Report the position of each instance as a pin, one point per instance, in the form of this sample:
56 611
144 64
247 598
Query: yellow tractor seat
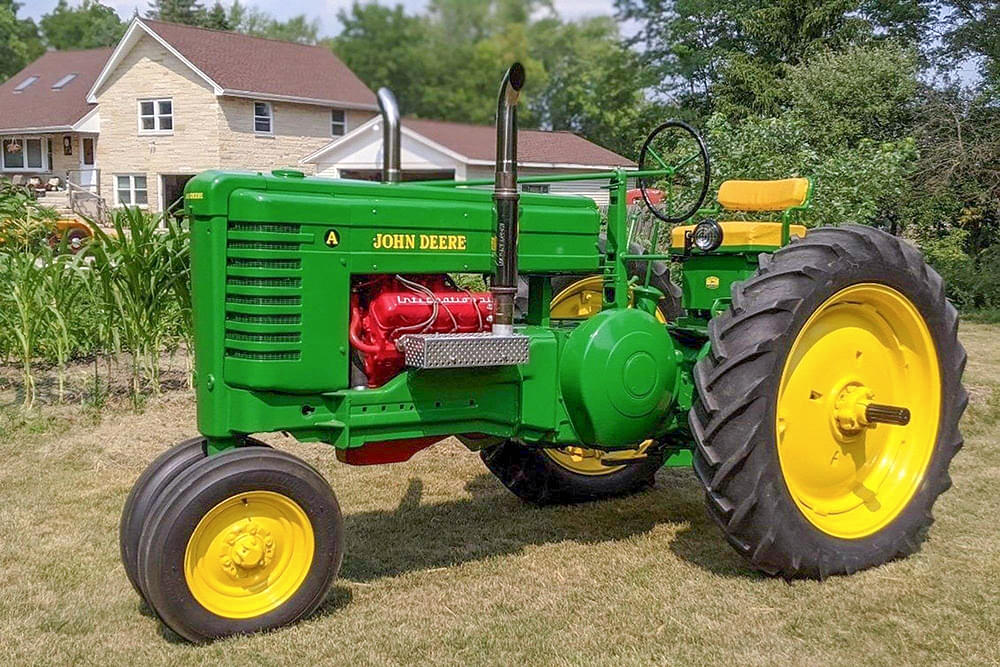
780 195
763 195
742 234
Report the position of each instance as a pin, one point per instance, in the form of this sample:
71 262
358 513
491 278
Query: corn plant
63 284
137 266
24 310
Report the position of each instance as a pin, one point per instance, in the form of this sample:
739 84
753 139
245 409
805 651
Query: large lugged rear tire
801 483
549 477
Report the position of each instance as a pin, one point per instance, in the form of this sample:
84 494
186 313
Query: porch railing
85 178
87 204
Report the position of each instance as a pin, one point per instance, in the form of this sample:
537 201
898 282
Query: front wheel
828 408
248 540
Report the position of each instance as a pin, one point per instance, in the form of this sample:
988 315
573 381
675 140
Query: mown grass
443 565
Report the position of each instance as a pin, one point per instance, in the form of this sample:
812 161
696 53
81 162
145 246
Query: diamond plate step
468 350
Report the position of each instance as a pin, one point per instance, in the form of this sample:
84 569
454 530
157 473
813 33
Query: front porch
60 168
39 159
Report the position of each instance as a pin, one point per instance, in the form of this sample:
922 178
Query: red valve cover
383 308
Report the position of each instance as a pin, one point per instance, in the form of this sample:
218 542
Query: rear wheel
579 474
580 296
248 540
828 409
572 474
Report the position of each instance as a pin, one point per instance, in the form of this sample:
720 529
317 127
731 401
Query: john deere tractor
811 377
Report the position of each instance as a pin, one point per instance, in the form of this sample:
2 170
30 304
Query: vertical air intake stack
390 135
504 284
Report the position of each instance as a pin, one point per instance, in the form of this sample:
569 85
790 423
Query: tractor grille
264 291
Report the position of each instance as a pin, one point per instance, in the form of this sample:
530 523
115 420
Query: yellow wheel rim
581 300
866 343
249 554
584 461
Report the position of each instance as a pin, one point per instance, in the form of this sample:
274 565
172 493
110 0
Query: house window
63 81
22 153
24 84
338 122
130 190
48 151
262 117
156 116
540 188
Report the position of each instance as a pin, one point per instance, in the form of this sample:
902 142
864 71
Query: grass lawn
444 565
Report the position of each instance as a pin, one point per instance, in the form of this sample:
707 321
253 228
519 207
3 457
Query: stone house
170 101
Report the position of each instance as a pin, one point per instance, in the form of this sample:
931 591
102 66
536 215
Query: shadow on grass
491 522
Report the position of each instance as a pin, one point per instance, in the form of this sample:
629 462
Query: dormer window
24 84
58 85
262 118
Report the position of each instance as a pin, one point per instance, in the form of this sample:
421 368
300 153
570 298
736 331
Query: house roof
39 107
476 144
243 66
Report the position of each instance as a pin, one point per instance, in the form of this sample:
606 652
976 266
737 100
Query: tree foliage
87 26
19 40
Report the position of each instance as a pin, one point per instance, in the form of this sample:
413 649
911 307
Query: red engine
383 308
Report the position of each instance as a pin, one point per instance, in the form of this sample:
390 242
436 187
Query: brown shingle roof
253 64
478 142
39 106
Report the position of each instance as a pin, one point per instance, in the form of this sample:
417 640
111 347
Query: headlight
707 235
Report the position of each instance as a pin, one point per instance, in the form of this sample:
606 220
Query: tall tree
216 17
20 43
253 21
88 26
188 12
594 85
972 30
737 49
385 46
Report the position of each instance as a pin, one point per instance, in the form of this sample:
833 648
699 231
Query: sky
324 10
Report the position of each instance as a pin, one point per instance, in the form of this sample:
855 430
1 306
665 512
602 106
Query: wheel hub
849 409
250 547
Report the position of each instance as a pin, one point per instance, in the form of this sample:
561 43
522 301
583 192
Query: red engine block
383 308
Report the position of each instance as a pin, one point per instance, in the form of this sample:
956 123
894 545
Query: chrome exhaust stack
505 195
390 135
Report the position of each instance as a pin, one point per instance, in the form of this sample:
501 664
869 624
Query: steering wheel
675 147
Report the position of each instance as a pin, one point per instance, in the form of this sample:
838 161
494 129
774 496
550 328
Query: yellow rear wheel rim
865 343
581 300
585 461
249 554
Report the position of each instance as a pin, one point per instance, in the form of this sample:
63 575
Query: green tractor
812 378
